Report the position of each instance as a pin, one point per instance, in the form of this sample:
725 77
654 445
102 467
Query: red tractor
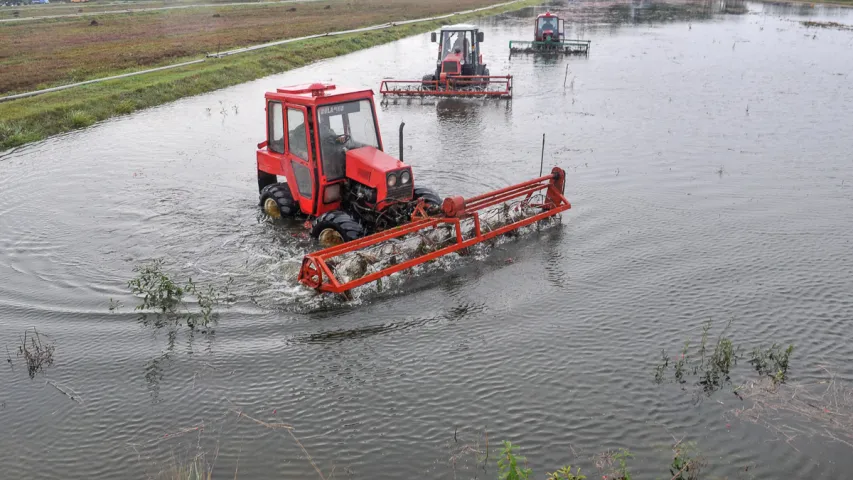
336 171
549 37
459 69
323 159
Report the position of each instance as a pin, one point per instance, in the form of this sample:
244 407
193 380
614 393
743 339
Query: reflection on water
459 111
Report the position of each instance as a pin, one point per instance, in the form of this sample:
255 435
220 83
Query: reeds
36 353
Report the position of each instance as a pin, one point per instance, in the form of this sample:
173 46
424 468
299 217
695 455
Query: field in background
37 54
30 119
95 6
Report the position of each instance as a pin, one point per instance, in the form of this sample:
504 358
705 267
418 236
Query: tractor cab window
461 42
296 133
298 145
344 126
276 127
547 23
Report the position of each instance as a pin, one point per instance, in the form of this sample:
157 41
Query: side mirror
480 36
432 37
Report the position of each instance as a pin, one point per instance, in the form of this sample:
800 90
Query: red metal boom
452 86
317 274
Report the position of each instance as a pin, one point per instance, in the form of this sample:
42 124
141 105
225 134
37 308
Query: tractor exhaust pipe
402 124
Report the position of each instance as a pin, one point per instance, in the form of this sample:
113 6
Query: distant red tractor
459 69
549 37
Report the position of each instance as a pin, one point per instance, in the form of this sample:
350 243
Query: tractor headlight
405 177
392 180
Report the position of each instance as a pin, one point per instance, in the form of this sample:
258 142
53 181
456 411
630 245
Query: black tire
348 228
265 179
280 193
431 199
428 86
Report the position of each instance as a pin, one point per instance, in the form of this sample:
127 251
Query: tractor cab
323 158
548 28
458 51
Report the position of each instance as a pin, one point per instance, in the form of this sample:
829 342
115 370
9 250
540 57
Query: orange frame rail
317 274
452 86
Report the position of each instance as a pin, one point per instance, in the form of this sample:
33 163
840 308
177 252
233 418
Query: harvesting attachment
459 70
461 224
549 37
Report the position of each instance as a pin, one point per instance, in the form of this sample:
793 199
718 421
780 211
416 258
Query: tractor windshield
463 41
547 23
344 126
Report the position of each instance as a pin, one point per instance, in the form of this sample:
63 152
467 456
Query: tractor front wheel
277 201
431 199
335 228
428 82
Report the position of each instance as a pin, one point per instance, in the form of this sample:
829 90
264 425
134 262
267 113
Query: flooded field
709 167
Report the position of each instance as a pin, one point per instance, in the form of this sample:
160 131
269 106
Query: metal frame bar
571 46
316 273
452 86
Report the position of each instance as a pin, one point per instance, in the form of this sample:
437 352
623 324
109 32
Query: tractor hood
370 166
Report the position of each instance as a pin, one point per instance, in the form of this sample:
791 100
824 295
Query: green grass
31 119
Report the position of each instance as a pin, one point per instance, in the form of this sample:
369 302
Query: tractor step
563 47
463 223
457 86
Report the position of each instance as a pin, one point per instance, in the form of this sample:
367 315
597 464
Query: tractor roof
318 93
459 26
546 15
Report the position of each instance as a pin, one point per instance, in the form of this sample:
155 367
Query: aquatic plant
195 468
836 25
36 353
613 465
508 464
660 369
772 362
160 292
565 473
686 462
114 305
712 368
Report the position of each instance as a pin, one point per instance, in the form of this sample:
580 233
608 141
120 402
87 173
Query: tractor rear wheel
335 228
277 201
431 199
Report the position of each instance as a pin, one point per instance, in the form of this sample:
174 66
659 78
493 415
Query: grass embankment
31 119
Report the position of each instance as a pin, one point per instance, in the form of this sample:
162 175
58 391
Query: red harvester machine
549 37
459 70
323 158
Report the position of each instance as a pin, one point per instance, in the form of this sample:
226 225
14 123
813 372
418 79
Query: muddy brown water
711 177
